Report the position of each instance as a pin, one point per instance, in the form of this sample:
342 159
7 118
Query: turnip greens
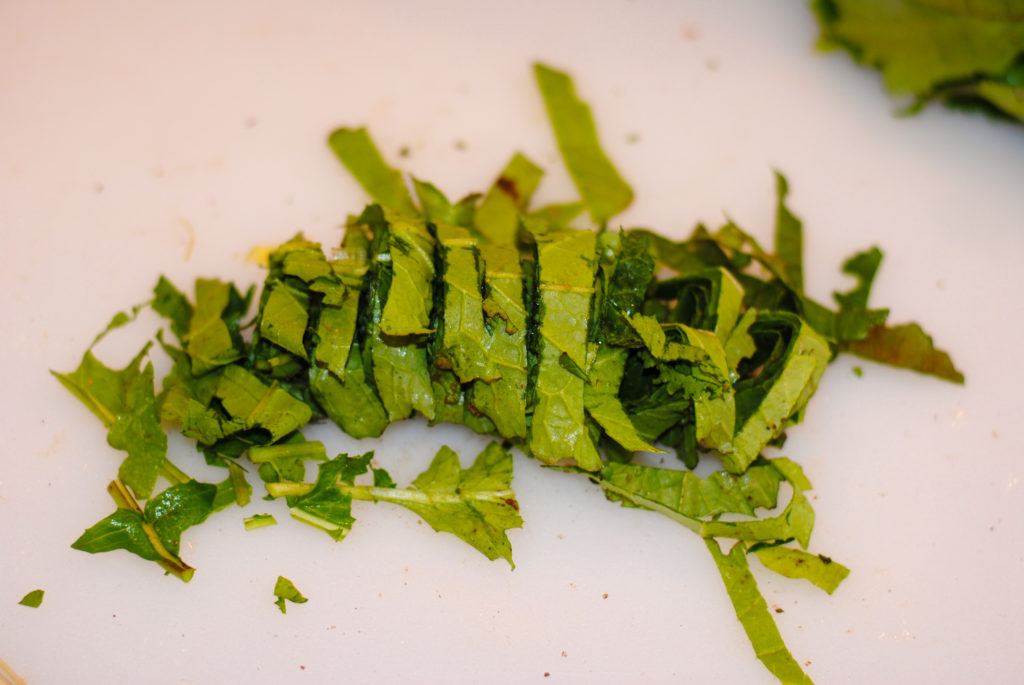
578 347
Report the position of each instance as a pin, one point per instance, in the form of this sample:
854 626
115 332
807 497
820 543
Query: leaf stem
261 454
172 473
171 563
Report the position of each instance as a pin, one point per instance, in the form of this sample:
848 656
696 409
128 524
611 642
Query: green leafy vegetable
213 339
603 190
907 346
503 399
681 493
153 533
601 400
462 341
284 590
257 405
789 237
476 504
558 432
964 54
697 503
259 521
399 366
782 388
125 402
33 599
360 156
752 611
497 216
410 296
795 563
580 347
339 382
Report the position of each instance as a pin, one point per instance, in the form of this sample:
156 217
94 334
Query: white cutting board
146 138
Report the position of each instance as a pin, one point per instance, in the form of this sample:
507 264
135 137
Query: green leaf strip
599 184
752 612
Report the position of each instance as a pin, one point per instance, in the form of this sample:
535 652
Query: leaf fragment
360 155
285 590
752 612
125 401
602 189
796 563
906 346
33 599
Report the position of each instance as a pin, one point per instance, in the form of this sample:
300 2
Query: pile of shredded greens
968 55
579 347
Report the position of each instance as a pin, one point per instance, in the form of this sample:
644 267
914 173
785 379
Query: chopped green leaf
795 563
906 346
791 363
153 533
326 506
962 53
497 217
397 365
357 152
257 405
172 304
213 338
627 269
284 589
600 186
476 504
789 237
283 318
503 400
752 612
463 338
410 296
558 433
32 599
680 493
259 521
125 401
601 400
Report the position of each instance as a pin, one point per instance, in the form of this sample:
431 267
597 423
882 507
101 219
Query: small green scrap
33 599
285 590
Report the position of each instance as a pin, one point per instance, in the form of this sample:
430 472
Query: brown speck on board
604 596
404 151
690 32
547 674
460 145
